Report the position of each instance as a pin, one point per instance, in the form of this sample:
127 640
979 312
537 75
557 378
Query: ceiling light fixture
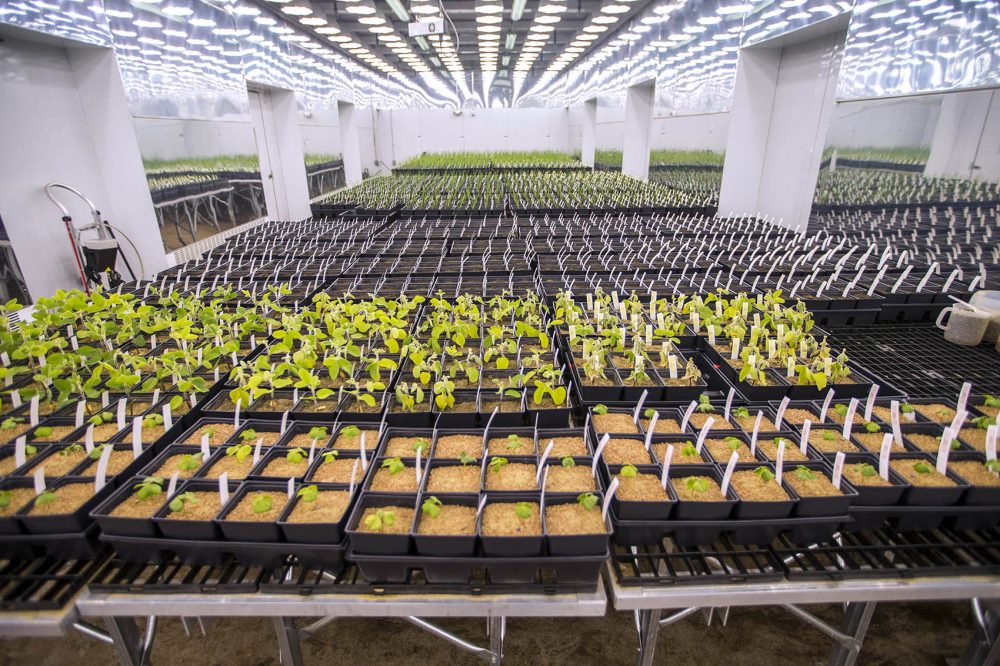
398 9
517 9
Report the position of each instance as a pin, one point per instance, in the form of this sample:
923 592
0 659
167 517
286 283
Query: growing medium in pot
697 489
386 520
443 519
183 464
621 450
393 476
193 505
758 485
12 499
635 486
685 453
349 438
313 505
62 500
501 474
863 474
259 506
237 463
565 446
978 473
580 517
407 447
453 479
334 469
920 473
143 502
294 463
810 483
722 450
218 434
614 423
512 519
828 440
568 477
769 447
456 447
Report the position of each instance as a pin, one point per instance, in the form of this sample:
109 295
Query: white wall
415 131
967 133
366 138
706 131
178 138
320 132
610 127
892 123
64 118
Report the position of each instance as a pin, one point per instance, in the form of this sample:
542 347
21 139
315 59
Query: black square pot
512 546
756 510
125 526
374 543
275 452
876 495
636 510
833 505
325 532
976 495
76 521
716 510
450 545
932 496
196 530
11 524
567 545
238 530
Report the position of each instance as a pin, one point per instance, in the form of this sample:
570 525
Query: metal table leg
289 649
648 628
984 646
496 627
126 639
856 621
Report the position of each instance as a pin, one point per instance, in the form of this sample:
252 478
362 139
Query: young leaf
308 493
261 503
431 507
567 461
524 510
628 471
587 500
804 473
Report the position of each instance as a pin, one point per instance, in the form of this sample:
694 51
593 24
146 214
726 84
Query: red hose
76 254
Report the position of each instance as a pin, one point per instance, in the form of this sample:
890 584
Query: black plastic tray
743 532
68 546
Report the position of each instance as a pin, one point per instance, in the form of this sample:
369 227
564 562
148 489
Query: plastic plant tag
883 456
168 419
312 452
256 451
838 468
121 413
486 430
5 358
20 451
88 439
136 437
608 495
826 406
39 479
236 415
354 475
638 406
172 485
600 451
80 407
779 464
728 476
703 433
545 456
651 429
205 450
224 488
943 450
804 437
284 422
956 423
33 410
672 366
852 407
729 402
780 414
416 466
756 432
897 432
734 350
545 482
790 367
482 505
105 399
687 415
364 454
963 396
102 467
991 442
15 397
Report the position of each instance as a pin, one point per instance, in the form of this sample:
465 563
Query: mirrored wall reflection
203 175
609 136
12 284
686 155
320 129
926 149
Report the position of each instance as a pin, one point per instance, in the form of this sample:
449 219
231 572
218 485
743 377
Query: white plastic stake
121 413
541 461
312 451
826 406
780 414
256 450
205 450
416 467
482 505
687 414
20 451
80 407
651 429
364 455
236 415
612 489
172 485
15 397
956 423
599 452
88 439
223 488
963 396
729 402
486 430
638 406
756 431
883 456
728 476
284 422
291 487
991 442
39 479
852 407
943 450
838 468
33 410
102 467
168 419
897 432
870 403
703 433
665 474
136 437
804 438
779 464
354 474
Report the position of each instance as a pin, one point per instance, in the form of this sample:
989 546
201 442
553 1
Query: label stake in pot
838 468
943 450
870 403
991 442
545 456
897 432
804 438
687 414
597 454
852 408
172 486
612 489
703 433
826 406
756 432
364 456
779 464
665 474
651 429
883 456
223 488
730 467
729 402
102 467
638 407
780 415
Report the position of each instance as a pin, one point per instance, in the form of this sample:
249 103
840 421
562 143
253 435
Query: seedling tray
925 517
703 532
42 583
719 562
69 546
175 576
578 569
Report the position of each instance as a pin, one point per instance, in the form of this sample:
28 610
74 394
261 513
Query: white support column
589 132
638 124
783 103
955 148
274 113
349 146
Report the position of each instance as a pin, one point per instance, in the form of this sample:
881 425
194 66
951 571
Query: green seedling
6 497
190 462
11 422
330 456
308 493
180 502
734 443
865 469
95 453
993 466
906 408
239 451
261 503
102 418
983 422
704 404
431 507
829 436
70 450
150 487
804 473
465 458
587 500
497 464
524 510
840 410
649 413
152 420
46 497
922 467
628 471
990 400
600 409
380 519
296 455
394 465
696 484
248 435
41 431
567 462
741 413
872 427
514 443
689 450
764 474
422 445
349 431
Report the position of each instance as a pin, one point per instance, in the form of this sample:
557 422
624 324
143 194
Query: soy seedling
190 462
524 510
866 469
431 507
296 455
990 400
983 422
46 497
922 467
993 466
444 396
515 443
587 500
567 461
649 413
394 465
804 473
872 427
840 409
248 435
349 431
628 471
95 453
600 409
6 497
330 456
423 445
689 449
11 422
465 458
734 443
497 464
696 484
239 451
704 404
70 450
381 518
829 436
149 487
308 493
409 396
41 431
261 503
741 413
764 474
906 408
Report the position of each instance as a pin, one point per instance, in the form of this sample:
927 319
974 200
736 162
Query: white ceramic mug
964 327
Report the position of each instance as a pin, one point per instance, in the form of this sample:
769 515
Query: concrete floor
912 634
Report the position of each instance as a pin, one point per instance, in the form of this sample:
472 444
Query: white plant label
284 422
729 403
5 358
852 407
224 488
168 419
136 437
15 398
734 350
897 431
838 469
711 332
236 415
39 480
80 407
486 430
20 451
963 396
728 476
291 487
779 464
804 438
88 439
665 474
780 414
991 442
482 503
33 410
956 423
943 450
102 467
826 406
172 485
256 451
790 367
121 414
883 456
416 466
672 366
703 433
205 451
870 403
651 429
756 432
364 456
354 475
638 407
545 456
105 399
687 415
312 451
599 452
612 489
